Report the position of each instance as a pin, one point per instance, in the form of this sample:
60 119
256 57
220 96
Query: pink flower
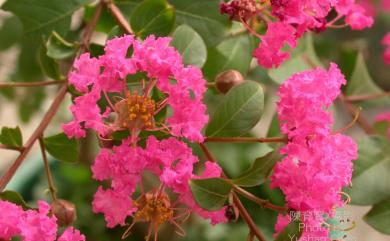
269 53
9 220
358 19
181 89
170 160
386 42
385 5
71 234
384 117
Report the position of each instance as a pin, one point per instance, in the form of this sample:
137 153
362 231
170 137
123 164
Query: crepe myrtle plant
177 94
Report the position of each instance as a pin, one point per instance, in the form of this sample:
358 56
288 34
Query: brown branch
243 212
86 39
37 133
118 15
366 97
30 84
12 148
353 111
245 139
47 169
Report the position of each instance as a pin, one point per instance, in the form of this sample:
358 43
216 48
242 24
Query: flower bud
64 211
228 79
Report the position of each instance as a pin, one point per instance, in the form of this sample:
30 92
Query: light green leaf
59 48
11 137
259 171
14 197
233 53
240 110
204 17
49 66
41 17
153 17
210 194
371 175
62 148
190 45
361 83
379 216
293 231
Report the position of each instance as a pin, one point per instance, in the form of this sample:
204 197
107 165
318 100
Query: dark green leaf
62 148
381 127
211 194
233 53
10 32
153 17
41 17
49 66
59 48
31 103
11 137
259 171
190 45
361 83
240 110
371 175
293 231
204 17
379 216
14 197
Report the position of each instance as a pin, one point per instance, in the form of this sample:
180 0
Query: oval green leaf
11 137
14 197
190 45
62 148
59 48
379 216
153 17
240 110
210 194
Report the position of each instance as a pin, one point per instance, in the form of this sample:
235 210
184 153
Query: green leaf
204 17
49 66
190 45
14 197
371 175
210 194
41 17
233 53
10 32
293 231
381 127
361 83
153 17
59 48
379 216
11 137
62 148
259 172
297 63
240 110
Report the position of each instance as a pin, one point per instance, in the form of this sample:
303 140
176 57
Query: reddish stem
30 84
118 15
245 139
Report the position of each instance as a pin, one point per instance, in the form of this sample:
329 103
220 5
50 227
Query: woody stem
47 170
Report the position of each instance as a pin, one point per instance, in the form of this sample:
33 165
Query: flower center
154 207
136 112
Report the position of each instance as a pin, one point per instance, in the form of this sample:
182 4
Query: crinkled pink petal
71 234
9 220
86 71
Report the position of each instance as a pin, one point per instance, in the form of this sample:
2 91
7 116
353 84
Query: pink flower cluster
386 42
318 163
290 19
182 86
32 225
170 160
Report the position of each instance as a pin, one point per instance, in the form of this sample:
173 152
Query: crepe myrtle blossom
171 201
288 20
386 43
138 80
32 225
317 162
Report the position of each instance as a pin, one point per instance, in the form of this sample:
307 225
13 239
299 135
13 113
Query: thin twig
367 97
243 212
37 133
118 15
47 169
30 84
12 148
261 202
353 111
245 139
90 27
